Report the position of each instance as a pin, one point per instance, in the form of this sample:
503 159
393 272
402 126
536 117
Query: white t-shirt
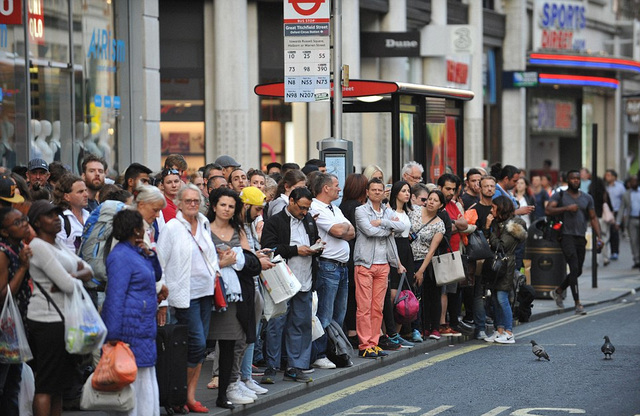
336 248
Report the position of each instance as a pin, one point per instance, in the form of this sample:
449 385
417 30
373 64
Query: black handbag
478 247
495 266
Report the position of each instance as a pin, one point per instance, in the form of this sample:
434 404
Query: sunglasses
167 172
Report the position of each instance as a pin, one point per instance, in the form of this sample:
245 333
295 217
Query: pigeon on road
607 348
539 351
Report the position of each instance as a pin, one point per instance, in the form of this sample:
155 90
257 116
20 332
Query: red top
454 214
170 211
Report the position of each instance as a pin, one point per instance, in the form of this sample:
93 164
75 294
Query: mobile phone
387 187
223 247
317 246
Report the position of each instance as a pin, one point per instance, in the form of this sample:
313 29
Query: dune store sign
389 44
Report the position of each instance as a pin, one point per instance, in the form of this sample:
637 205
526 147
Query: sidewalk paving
614 281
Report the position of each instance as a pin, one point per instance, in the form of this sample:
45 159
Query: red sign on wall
36 21
457 72
10 12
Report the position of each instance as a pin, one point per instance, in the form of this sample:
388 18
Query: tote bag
448 267
117 401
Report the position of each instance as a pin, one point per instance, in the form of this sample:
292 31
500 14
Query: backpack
339 349
526 294
97 241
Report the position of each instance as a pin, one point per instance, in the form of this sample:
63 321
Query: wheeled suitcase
171 366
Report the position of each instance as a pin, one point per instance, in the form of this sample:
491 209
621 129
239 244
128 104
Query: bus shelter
426 121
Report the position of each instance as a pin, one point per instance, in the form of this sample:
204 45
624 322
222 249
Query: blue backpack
97 241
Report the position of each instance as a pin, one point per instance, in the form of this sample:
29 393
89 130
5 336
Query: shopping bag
84 330
448 267
118 401
316 326
117 368
27 391
14 346
271 309
279 281
219 295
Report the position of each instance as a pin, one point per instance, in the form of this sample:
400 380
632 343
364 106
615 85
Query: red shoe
197 407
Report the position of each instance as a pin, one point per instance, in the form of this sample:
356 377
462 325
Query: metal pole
594 177
337 69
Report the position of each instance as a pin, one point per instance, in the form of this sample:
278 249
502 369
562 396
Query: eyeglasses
416 178
303 208
191 201
167 172
19 221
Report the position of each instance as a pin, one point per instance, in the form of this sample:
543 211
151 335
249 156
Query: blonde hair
370 170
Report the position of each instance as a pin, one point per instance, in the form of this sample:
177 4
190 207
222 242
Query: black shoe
386 344
295 374
466 324
225 404
463 329
354 341
269 376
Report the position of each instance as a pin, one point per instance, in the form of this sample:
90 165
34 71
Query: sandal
197 407
213 384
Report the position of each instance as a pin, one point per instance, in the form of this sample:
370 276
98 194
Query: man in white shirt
72 196
333 275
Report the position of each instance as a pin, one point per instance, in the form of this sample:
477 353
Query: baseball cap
37 164
41 207
252 196
8 190
226 161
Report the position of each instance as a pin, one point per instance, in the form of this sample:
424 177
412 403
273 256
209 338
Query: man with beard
94 169
483 210
576 208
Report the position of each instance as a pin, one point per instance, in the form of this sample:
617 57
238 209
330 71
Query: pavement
614 281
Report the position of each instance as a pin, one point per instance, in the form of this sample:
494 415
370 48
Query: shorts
53 366
450 288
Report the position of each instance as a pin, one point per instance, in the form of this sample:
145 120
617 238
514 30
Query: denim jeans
197 317
332 285
297 331
502 308
479 312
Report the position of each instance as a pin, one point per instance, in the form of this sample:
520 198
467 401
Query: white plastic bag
316 326
27 391
271 309
279 281
14 346
84 330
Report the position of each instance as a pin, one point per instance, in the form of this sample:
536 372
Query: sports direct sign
559 25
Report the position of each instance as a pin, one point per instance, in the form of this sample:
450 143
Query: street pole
594 177
337 69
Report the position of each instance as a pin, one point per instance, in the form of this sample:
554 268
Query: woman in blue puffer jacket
130 305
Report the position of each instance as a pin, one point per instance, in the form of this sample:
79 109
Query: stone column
144 72
473 119
352 123
514 101
231 82
434 69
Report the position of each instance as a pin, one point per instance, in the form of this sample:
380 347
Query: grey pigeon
607 348
539 351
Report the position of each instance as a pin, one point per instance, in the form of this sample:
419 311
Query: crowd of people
177 238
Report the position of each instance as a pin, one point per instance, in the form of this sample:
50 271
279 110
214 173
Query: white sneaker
234 394
246 390
255 387
505 338
323 363
493 337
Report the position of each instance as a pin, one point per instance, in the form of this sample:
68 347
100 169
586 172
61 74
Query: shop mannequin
91 139
41 141
103 142
36 129
7 145
54 141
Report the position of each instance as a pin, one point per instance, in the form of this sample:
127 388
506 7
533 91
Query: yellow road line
339 395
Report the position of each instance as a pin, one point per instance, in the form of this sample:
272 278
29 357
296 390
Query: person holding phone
292 231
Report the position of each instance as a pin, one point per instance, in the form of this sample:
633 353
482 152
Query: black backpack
526 294
339 349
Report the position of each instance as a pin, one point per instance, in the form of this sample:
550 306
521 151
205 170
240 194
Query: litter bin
548 266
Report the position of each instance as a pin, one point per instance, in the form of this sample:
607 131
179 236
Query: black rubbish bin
548 266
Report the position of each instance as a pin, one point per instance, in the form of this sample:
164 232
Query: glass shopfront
71 106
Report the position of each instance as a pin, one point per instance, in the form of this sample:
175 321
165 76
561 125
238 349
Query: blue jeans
298 331
273 341
502 310
479 312
197 317
332 287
